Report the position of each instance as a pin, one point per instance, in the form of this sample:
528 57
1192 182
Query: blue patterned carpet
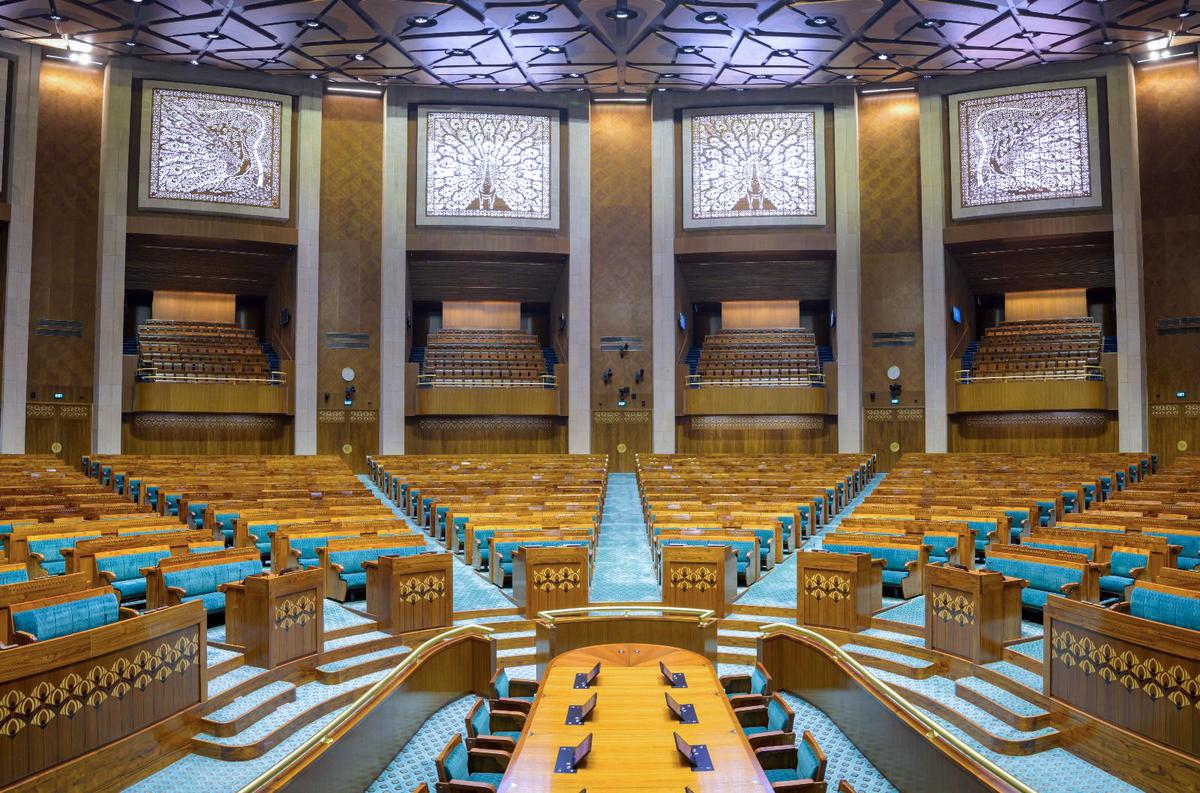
624 569
414 764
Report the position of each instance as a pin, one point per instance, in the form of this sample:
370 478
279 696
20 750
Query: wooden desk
550 577
632 746
971 613
411 593
838 590
276 618
699 576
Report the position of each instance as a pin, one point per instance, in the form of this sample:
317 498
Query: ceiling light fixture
865 91
931 24
313 24
573 75
969 60
819 22
883 56
554 49
532 17
783 53
458 52
670 76
358 56
689 49
710 18
312 77
421 21
55 17
214 35
194 62
1027 34
620 14
336 88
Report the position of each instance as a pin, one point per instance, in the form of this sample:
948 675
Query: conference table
633 747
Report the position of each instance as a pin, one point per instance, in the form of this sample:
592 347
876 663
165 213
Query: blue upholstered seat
1050 545
61 619
457 768
213 601
127 570
352 561
1166 607
1121 567
14 576
1189 553
306 546
807 766
51 546
132 588
200 583
481 721
777 719
1044 579
503 690
894 559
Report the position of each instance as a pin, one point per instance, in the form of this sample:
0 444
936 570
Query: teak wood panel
1020 395
733 434
550 577
519 401
622 435
205 434
356 429
971 613
277 618
210 398
633 748
411 593
1067 432
572 633
699 577
485 435
748 400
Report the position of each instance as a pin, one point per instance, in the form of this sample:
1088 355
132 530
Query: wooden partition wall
557 636
486 435
194 306
1041 432
779 434
495 314
205 433
737 314
1045 304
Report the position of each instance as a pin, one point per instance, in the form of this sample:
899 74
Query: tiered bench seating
484 358
769 357
175 351
53 616
1049 349
904 557
1047 573
183 579
343 559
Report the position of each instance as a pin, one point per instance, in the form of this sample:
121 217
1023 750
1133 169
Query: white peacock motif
747 165
1024 147
215 148
488 165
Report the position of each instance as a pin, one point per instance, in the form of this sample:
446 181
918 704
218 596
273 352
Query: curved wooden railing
933 732
288 771
703 616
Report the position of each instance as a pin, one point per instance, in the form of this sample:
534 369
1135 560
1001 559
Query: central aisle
624 570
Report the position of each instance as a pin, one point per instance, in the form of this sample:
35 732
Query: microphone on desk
577 714
685 713
696 755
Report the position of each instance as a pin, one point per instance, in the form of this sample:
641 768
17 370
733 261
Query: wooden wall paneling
1174 429
621 434
1045 304
500 314
1168 118
65 224
351 240
485 435
209 398
205 433
518 401
890 265
794 434
60 428
731 400
889 432
621 279
194 306
1016 395
350 434
760 314
1034 432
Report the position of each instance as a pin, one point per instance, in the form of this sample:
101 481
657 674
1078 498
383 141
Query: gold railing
812 380
1094 373
433 380
152 375
324 735
934 732
703 616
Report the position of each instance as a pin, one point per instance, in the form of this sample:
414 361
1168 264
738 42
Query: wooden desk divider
971 613
411 593
276 618
699 576
548 577
838 590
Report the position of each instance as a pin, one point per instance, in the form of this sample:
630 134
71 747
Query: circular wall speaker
893 372
347 448
894 446
622 448
56 447
1181 446
348 374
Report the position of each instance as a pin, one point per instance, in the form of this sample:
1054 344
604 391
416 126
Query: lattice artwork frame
1074 182
263 191
803 189
530 176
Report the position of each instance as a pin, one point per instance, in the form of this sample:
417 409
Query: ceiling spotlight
660 90
783 53
580 90
849 76
883 56
421 21
358 56
762 77
194 62
710 18
131 43
532 17
55 17
574 75
1107 42
312 77
213 35
501 90
930 24
689 49
670 76
479 76
1027 34
819 22
620 14
313 24
1185 13
969 60
458 52
554 49
139 2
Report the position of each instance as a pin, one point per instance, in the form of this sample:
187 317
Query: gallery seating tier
174 351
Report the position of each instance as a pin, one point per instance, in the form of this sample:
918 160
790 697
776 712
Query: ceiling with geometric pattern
607 46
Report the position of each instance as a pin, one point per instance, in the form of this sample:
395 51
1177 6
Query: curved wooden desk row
633 744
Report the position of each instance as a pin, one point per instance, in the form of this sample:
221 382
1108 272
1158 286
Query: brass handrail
812 380
1087 373
628 610
933 730
323 736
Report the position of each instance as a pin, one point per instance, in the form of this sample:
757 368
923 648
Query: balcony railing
811 380
1093 373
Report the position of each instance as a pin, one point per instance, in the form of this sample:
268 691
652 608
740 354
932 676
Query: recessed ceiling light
421 21
580 90
554 49
930 24
312 77
531 17
501 90
660 90
783 53
56 17
926 76
358 56
670 76
620 14
1185 13
213 35
883 56
969 60
458 52
131 43
739 90
710 18
1026 34
762 77
312 24
849 76
1107 42
194 62
574 75
819 21
689 49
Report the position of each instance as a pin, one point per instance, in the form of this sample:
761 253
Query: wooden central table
632 746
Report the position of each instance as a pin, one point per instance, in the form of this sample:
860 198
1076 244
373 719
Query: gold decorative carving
1164 411
951 607
417 588
548 579
820 586
1149 675
701 579
295 613
794 422
47 701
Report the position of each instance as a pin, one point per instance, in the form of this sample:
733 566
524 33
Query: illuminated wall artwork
487 167
754 167
222 151
1033 149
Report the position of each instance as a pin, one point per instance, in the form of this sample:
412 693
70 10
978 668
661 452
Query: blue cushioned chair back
352 560
1044 577
807 764
940 544
1050 545
1122 563
893 558
16 576
307 547
1152 604
758 681
502 684
52 547
61 619
202 580
129 565
776 716
456 762
1190 542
